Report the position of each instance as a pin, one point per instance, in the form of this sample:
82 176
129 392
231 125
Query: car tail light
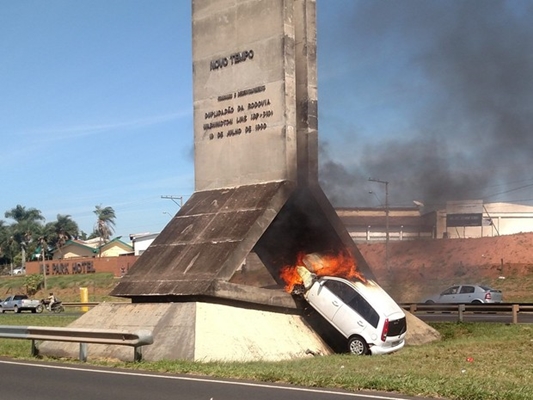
488 296
385 330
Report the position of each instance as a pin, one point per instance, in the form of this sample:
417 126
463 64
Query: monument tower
256 157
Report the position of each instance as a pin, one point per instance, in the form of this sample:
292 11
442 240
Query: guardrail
461 309
74 304
82 336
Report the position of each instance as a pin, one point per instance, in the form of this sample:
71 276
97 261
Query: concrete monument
209 286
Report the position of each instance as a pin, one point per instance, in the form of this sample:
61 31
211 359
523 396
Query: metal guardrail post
516 308
83 352
461 312
138 354
412 308
34 349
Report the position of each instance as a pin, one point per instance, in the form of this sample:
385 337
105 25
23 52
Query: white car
363 313
19 271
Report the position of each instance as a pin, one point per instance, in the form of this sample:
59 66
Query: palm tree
24 230
63 229
105 223
4 241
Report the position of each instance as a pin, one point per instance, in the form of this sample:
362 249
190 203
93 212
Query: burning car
359 309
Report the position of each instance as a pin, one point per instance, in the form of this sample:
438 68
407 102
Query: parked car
19 271
467 293
363 313
21 302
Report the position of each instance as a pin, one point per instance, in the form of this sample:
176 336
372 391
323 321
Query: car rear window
397 327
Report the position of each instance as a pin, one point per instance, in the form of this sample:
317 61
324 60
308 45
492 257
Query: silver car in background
467 293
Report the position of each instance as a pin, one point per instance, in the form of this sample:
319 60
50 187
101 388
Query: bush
33 283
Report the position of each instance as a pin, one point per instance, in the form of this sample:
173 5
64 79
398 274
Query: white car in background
363 313
19 271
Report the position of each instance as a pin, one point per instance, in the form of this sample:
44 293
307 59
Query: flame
341 265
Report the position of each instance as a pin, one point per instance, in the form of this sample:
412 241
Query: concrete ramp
197 331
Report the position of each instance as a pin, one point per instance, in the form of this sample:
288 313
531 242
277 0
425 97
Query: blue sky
96 104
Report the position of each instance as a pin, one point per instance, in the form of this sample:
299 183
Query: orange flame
341 265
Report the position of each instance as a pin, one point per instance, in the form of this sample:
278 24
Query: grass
473 361
66 287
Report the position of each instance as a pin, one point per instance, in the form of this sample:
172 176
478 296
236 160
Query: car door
7 304
323 300
466 294
348 319
450 295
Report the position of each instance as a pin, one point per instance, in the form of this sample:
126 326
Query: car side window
451 290
355 301
467 289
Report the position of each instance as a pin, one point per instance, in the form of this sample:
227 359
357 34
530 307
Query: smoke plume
434 97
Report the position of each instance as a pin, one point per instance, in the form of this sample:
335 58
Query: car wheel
358 346
430 302
16 310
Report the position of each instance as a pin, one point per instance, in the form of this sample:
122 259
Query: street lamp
386 219
376 196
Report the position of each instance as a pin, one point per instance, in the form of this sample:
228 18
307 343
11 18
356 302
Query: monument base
197 331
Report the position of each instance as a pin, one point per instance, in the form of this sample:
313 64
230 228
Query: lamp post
386 219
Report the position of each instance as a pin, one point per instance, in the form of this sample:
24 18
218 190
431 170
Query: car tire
358 346
430 302
16 310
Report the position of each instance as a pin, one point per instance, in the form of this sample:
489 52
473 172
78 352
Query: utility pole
44 267
386 219
174 198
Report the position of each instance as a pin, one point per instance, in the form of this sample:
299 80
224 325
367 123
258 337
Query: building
404 223
92 248
464 219
141 241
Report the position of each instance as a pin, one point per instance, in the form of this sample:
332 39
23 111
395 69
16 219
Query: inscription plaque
244 93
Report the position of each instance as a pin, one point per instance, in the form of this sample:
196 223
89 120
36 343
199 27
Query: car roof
374 294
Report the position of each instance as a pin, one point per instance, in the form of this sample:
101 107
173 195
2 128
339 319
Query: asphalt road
34 380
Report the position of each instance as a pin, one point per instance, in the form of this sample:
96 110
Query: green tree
25 229
33 283
5 235
61 231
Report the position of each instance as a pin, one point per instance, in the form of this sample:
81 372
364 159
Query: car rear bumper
387 347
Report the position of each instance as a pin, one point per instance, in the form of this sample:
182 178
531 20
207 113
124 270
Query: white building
141 241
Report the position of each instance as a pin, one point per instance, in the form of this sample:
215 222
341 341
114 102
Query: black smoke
435 97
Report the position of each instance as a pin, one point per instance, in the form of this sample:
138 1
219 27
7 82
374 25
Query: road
45 381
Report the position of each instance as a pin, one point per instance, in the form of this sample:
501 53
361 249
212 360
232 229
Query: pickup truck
21 302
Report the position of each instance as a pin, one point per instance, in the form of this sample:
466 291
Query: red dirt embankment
419 268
